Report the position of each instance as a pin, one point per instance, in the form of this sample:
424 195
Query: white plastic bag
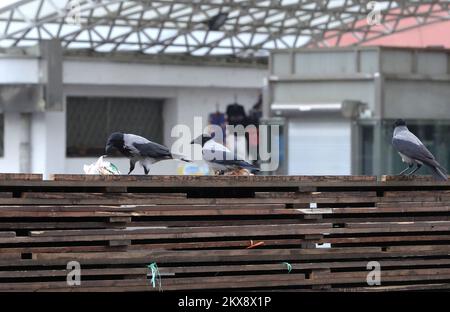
101 167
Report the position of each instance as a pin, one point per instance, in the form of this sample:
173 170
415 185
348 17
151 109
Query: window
90 120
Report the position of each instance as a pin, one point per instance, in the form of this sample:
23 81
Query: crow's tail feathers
254 170
250 167
439 173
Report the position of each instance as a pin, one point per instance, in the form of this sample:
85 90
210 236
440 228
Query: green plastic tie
289 266
156 277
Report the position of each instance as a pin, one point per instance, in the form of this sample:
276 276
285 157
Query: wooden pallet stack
214 233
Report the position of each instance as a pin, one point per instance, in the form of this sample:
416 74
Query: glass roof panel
198 26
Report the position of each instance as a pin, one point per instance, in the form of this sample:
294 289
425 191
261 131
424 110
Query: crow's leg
147 164
417 168
132 164
407 168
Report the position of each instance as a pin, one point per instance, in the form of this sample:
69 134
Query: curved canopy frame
251 27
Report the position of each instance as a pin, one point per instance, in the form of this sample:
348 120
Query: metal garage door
319 147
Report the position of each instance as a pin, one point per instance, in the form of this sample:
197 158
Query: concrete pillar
52 73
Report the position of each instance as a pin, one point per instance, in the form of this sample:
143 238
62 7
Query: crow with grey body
217 21
137 148
413 152
219 157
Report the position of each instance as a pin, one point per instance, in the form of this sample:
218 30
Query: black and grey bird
413 152
137 148
217 21
219 157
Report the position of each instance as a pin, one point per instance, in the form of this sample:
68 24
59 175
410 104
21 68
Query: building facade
339 105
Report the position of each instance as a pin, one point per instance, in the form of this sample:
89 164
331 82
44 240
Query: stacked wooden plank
152 233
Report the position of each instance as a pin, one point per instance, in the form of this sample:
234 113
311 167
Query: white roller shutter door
319 147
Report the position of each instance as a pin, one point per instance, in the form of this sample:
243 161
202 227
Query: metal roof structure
214 27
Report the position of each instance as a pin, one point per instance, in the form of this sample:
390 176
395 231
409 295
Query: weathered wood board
299 233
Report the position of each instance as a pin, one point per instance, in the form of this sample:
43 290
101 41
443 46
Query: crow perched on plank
413 152
226 160
137 148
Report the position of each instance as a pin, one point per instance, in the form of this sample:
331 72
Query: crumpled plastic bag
101 167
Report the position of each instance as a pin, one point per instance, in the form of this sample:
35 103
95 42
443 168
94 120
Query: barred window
90 121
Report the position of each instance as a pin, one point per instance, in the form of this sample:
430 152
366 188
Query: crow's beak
109 149
193 142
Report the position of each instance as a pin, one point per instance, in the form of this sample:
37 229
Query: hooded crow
227 160
217 21
137 148
413 152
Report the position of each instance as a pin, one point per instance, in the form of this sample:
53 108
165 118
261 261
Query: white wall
9 162
48 143
19 70
95 72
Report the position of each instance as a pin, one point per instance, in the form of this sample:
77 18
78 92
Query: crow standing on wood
413 152
226 160
137 148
